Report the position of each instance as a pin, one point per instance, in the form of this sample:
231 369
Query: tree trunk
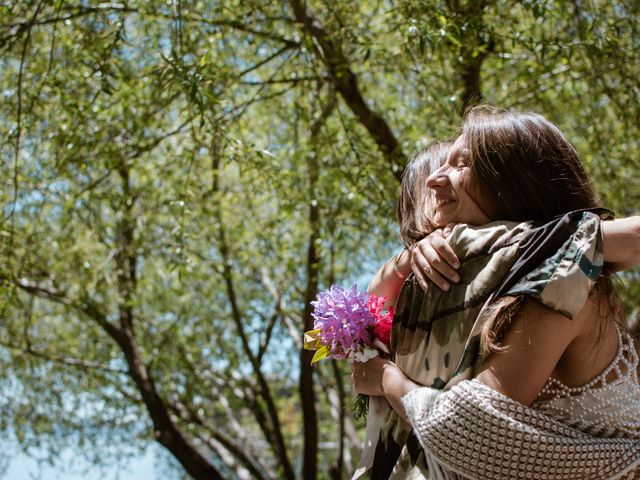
307 393
165 431
472 92
276 437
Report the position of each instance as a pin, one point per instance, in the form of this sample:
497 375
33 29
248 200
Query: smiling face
452 185
415 207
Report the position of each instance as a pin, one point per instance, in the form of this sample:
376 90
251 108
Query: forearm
396 391
622 242
387 281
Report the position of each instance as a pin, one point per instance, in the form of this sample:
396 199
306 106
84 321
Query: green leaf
320 354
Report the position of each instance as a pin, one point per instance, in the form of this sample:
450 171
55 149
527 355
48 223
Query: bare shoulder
533 346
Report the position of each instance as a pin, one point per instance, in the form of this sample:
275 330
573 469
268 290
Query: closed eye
459 162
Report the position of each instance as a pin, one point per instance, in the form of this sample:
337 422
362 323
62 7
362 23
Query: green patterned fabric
436 335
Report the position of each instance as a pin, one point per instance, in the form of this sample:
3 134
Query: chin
441 223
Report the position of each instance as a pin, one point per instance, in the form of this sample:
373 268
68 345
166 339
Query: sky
144 467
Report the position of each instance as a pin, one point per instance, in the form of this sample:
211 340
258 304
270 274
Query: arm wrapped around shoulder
622 243
474 432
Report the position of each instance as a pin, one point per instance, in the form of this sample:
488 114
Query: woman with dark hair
532 320
414 212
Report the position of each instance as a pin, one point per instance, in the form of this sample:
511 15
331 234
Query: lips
440 201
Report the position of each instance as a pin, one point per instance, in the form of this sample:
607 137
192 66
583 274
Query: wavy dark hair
414 209
524 167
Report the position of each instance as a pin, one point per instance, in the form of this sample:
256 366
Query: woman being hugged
556 387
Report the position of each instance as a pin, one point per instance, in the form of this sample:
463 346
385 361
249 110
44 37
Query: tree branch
23 56
166 431
277 311
345 82
69 361
265 61
275 81
87 306
265 392
187 414
77 11
306 387
264 344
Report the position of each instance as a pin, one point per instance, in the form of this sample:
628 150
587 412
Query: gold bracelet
396 270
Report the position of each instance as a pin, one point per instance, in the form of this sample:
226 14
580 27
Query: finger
353 378
427 272
357 367
433 275
442 268
444 250
418 273
437 253
438 279
430 263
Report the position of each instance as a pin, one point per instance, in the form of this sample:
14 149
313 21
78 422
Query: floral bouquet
349 324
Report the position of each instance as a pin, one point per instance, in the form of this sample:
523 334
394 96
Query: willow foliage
180 177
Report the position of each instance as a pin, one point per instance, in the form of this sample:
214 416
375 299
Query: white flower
364 356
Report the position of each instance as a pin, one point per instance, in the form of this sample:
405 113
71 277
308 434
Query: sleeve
559 261
474 432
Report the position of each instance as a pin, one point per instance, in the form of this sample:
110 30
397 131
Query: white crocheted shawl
473 432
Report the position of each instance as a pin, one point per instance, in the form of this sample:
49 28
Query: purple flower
344 319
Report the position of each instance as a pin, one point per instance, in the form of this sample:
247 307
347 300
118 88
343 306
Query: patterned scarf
436 335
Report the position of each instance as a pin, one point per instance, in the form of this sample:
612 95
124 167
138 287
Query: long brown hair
414 209
523 169
524 166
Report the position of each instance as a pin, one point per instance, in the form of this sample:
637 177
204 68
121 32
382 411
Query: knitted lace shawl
473 432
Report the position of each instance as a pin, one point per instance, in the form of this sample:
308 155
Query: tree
184 177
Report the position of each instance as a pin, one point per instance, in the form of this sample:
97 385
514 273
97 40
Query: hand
366 377
380 377
433 259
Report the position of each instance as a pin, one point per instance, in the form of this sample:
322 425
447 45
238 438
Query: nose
438 178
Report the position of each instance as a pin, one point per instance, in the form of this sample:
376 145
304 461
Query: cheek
471 209
468 182
469 187
490 202
474 191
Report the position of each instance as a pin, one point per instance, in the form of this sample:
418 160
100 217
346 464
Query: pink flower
376 304
382 327
349 324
